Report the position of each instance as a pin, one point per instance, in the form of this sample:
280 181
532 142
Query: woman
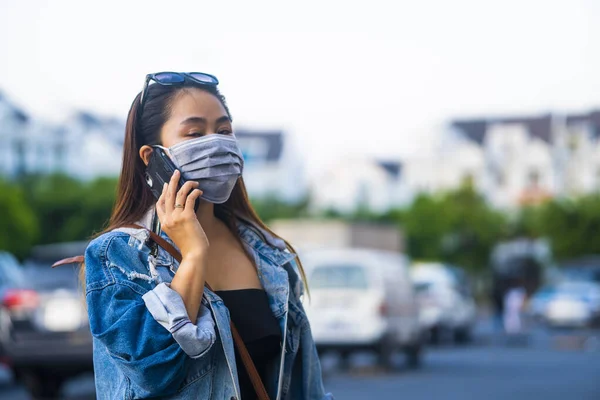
157 330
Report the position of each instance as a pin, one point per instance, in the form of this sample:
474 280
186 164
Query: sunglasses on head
174 79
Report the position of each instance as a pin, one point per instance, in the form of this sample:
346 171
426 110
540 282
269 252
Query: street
552 365
481 373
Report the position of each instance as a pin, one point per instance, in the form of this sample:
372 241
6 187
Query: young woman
158 331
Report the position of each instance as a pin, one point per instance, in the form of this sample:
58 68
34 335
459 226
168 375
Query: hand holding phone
159 171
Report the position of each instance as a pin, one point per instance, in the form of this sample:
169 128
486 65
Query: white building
511 161
85 146
528 159
271 166
355 183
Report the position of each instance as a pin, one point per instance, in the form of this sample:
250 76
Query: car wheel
344 360
41 385
385 354
413 356
435 335
462 335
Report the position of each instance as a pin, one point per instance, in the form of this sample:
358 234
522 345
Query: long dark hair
134 197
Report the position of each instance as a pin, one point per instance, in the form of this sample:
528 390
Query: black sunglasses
173 79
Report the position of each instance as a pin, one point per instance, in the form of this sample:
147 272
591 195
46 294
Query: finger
191 199
160 204
184 192
172 192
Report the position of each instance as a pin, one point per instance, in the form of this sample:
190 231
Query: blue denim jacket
146 346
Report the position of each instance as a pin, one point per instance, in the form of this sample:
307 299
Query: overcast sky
341 77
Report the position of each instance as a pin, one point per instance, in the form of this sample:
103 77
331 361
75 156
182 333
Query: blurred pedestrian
158 331
514 300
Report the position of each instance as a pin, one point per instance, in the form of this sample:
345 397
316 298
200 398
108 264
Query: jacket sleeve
306 380
144 328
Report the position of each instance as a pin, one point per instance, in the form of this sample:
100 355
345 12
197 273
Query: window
338 277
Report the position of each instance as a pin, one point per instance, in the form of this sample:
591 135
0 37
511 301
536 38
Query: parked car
362 300
45 332
571 304
11 278
585 268
445 300
536 306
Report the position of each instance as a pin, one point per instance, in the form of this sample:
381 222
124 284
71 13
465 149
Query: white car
362 300
573 304
445 301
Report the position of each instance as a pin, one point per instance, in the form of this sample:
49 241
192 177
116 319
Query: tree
68 209
572 225
18 225
270 208
457 226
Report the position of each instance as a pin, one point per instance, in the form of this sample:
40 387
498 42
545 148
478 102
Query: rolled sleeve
168 309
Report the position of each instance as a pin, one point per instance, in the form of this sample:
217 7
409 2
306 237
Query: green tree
270 208
457 226
572 225
18 225
69 209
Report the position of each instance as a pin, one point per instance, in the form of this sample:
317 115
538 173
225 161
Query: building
512 161
360 182
526 160
85 146
272 168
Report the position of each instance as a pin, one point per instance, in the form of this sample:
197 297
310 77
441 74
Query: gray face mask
214 161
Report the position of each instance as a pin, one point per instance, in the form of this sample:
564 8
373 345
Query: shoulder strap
257 383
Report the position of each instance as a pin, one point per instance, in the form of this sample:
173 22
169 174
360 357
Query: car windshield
39 275
545 291
421 287
576 288
338 276
11 273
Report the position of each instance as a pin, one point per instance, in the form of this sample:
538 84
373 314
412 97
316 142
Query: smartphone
159 171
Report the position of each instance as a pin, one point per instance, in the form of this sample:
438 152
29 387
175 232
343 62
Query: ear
145 152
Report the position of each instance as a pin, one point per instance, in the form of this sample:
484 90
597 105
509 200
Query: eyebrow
202 120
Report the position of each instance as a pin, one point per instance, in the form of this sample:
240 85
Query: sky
342 78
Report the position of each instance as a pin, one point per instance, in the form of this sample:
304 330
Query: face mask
214 161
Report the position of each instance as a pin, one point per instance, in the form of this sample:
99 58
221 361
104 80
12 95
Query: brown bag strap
259 387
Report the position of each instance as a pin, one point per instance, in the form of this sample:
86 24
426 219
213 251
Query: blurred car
11 277
445 301
362 300
44 331
585 268
571 304
536 306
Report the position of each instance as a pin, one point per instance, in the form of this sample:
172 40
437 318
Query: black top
250 312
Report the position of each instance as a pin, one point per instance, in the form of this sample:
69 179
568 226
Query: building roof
475 129
272 139
592 118
394 168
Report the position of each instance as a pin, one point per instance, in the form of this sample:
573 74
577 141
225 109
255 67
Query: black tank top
250 312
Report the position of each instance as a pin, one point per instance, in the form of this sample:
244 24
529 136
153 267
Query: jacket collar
270 247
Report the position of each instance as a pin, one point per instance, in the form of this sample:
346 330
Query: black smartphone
159 171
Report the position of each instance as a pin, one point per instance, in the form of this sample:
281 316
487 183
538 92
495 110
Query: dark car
45 331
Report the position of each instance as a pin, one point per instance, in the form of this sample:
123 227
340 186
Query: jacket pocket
199 373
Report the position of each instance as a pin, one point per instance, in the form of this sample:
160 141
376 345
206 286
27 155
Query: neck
207 219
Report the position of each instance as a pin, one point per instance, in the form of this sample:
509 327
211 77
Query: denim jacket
146 346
